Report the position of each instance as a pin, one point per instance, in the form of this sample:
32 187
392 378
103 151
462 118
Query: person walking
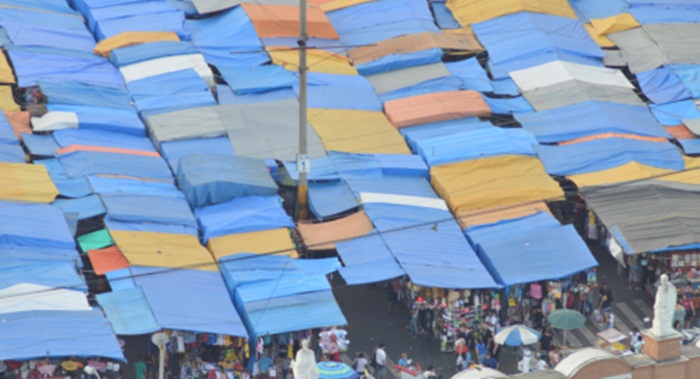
414 320
140 368
380 372
605 299
360 364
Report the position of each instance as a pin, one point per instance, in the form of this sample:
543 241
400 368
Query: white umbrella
479 372
517 335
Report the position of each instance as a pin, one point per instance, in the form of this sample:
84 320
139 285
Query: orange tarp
679 132
467 218
19 120
614 135
275 241
116 150
106 46
321 236
283 21
434 107
107 259
414 42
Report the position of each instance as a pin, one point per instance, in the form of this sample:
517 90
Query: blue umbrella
517 335
335 370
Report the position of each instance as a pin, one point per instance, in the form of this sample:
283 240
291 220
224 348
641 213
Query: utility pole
303 161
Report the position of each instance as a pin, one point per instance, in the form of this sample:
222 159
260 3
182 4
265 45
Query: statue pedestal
662 348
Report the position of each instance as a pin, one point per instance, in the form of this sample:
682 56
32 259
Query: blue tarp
246 268
516 252
441 128
69 187
124 121
444 17
106 185
394 62
330 198
446 84
35 225
208 179
228 39
246 214
191 300
245 80
475 144
171 83
170 103
7 134
501 70
100 138
22 34
128 311
136 208
53 6
346 165
399 164
361 267
341 92
472 74
393 185
690 146
46 271
11 153
377 13
590 118
40 145
140 20
173 151
49 334
587 9
690 76
507 106
33 64
674 113
76 93
124 56
662 86
83 163
603 154
84 207
384 31
661 14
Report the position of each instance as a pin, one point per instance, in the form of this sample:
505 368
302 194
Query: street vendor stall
612 340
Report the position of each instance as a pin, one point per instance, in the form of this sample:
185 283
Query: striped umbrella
335 370
517 335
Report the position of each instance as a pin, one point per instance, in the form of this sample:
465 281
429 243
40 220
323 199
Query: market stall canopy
154 249
23 297
147 209
614 24
324 235
332 5
588 119
407 77
273 241
650 216
83 163
107 259
480 373
528 250
107 45
209 6
576 91
361 166
7 76
603 154
329 91
128 311
319 60
363 268
42 334
283 21
7 100
558 72
434 107
581 358
506 180
23 267
356 131
493 215
473 11
663 85
175 150
654 45
631 171
37 226
26 183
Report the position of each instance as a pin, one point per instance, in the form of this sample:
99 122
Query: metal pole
161 362
303 163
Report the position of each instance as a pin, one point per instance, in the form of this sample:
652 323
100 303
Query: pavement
369 323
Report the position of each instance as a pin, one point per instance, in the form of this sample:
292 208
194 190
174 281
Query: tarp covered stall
650 215
662 85
332 197
148 209
590 118
324 235
245 214
175 150
439 106
519 251
340 92
598 155
356 131
163 250
496 214
363 268
107 45
164 65
407 77
38 226
558 72
210 6
473 11
23 297
82 207
84 163
283 21
208 179
24 267
26 183
128 310
42 334
100 185
495 181
631 171
273 241
107 259
575 91
318 60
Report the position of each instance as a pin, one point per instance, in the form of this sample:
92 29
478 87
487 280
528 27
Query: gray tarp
573 91
693 124
655 45
407 77
260 130
650 215
208 6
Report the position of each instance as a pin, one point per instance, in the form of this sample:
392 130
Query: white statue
664 306
304 366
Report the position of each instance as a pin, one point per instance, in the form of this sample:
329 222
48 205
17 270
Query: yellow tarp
355 131
602 41
495 214
26 183
333 5
494 182
415 42
614 24
7 100
316 60
7 76
154 249
106 46
473 11
266 241
625 173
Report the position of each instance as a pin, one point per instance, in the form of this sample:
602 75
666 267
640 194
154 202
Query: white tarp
407 77
415 201
33 297
557 72
165 65
54 121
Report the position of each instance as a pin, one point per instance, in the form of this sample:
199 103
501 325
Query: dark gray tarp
655 45
651 215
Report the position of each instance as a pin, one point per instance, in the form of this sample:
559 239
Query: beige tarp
602 41
500 181
355 131
412 43
7 76
473 11
321 236
316 60
7 99
625 173
19 120
614 24
496 214
106 46
332 5
26 183
434 107
275 241
153 249
283 21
